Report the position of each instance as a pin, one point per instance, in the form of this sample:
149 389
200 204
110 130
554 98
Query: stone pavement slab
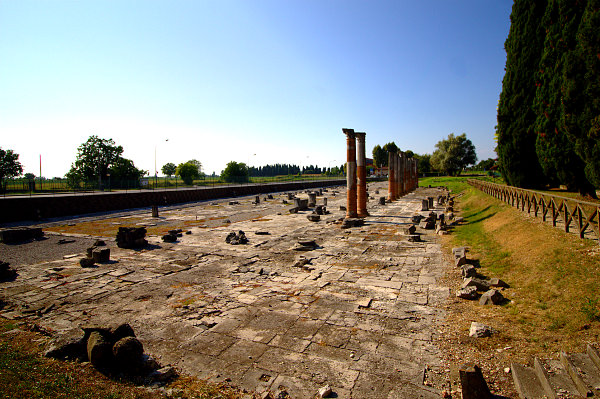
360 315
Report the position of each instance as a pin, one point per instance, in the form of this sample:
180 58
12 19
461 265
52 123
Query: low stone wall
16 209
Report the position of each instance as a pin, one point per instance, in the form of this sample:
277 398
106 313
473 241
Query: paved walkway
359 316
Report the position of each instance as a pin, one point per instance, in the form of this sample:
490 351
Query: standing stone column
361 175
416 173
350 173
391 176
398 175
401 168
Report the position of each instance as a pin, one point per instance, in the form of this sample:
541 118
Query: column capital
349 133
360 135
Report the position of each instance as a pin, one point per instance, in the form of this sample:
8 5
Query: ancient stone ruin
131 237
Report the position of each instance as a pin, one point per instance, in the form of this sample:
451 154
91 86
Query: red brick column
350 173
391 176
361 175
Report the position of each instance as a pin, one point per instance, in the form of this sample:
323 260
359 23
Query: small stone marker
325 391
381 200
467 293
410 230
313 217
481 285
493 297
424 205
496 282
479 330
154 211
468 271
98 350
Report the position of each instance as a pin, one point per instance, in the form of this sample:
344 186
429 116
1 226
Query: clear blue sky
255 81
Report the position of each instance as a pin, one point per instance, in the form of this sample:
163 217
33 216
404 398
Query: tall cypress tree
555 151
516 119
581 92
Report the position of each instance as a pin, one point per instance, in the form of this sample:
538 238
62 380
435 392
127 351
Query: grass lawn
554 276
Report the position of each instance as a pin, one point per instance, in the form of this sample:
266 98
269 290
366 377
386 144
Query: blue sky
255 81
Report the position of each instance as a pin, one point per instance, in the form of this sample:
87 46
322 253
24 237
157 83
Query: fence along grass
585 216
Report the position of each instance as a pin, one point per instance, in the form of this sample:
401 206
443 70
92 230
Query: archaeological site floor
358 312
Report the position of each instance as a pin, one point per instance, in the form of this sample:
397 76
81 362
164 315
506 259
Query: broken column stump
131 237
472 382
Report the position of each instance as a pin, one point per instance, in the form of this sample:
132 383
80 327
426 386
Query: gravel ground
46 249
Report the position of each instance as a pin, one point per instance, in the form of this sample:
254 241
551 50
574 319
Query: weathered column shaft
361 175
398 193
391 176
350 173
401 168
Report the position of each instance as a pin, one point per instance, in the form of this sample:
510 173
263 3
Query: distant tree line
548 128
286 169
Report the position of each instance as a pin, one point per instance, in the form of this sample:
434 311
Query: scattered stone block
86 262
381 200
417 219
342 208
20 234
131 237
427 225
99 350
306 245
496 282
99 243
324 392
352 222
236 238
121 331
424 205
101 255
234 203
262 233
413 238
460 260
459 251
312 200
169 237
154 211
128 353
301 204
293 210
468 270
480 284
313 217
491 297
467 293
68 346
6 272
472 383
410 230
479 330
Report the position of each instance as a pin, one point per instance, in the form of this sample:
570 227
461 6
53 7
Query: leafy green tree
96 158
486 164
29 176
424 162
169 169
516 135
235 172
379 156
453 154
188 171
409 154
9 166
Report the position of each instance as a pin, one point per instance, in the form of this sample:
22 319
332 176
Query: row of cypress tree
548 128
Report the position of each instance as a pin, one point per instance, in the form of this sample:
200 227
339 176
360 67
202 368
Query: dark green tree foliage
555 151
424 162
9 164
235 172
516 119
96 158
188 171
274 170
380 157
169 169
380 154
581 91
